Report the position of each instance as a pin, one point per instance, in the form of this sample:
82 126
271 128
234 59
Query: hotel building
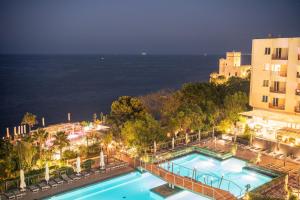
275 89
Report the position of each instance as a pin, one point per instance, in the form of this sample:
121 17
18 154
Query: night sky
131 26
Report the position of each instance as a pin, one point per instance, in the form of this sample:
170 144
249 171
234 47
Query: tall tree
26 153
29 119
234 104
124 109
40 137
141 133
61 141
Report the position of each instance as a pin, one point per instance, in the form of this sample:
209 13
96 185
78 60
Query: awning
275 116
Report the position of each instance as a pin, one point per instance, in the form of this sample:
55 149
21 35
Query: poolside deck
76 184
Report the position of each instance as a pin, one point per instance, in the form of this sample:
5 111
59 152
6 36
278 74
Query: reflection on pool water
210 171
132 186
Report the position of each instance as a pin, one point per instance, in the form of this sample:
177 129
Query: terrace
182 146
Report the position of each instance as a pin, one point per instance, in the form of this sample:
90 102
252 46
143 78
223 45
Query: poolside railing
187 182
205 178
179 142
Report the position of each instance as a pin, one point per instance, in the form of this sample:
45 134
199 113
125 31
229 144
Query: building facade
230 67
275 88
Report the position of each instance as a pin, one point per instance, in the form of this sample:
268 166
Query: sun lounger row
64 178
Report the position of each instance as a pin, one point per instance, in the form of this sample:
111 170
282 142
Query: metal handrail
195 175
215 193
180 139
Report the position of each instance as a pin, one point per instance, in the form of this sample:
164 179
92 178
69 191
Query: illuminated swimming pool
132 186
229 175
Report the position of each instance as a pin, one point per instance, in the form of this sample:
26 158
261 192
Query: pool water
132 186
210 171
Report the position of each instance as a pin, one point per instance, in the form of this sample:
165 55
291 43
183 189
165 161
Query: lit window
267 67
276 67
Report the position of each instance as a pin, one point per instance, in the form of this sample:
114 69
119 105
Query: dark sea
51 86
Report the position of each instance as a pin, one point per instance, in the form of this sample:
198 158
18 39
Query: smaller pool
228 175
132 186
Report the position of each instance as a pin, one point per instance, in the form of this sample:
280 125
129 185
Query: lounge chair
66 178
75 177
58 180
52 183
33 188
19 194
95 170
10 195
85 174
43 185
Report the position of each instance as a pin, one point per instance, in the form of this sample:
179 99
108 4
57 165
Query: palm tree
40 137
30 120
60 141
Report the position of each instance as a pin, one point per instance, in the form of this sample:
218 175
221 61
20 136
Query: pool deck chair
75 177
33 188
59 180
43 185
66 178
10 195
52 183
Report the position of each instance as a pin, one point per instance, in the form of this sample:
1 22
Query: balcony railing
297 92
297 109
280 73
279 107
282 57
276 90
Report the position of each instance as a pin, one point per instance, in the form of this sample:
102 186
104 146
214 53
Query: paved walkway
77 184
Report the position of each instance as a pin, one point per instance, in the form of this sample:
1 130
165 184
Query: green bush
69 154
88 164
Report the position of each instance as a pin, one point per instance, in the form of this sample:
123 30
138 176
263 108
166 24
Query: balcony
279 73
282 57
277 90
297 92
297 109
278 107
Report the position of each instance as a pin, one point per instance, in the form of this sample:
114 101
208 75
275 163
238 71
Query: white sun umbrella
78 168
155 148
47 177
102 164
173 143
22 180
186 138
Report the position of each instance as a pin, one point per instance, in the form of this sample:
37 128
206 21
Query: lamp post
69 117
7 133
